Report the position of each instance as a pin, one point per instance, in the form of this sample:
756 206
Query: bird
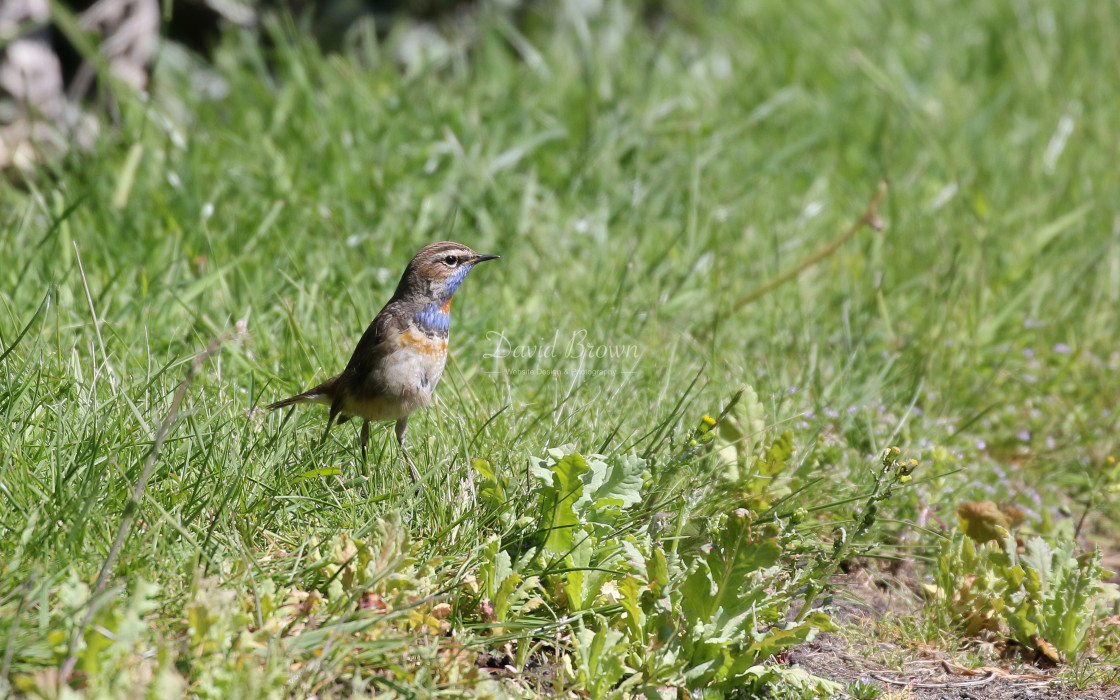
400 358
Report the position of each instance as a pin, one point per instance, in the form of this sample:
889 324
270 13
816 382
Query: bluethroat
401 356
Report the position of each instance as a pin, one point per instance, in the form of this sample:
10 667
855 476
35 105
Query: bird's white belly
401 383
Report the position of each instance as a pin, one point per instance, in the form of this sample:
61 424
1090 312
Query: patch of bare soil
1111 562
933 676
870 594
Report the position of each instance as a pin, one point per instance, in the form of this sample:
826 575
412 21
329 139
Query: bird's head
436 272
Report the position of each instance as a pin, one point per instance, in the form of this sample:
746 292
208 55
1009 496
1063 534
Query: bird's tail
324 394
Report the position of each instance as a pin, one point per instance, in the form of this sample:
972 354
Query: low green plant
729 607
505 594
1043 596
865 689
598 661
891 474
1054 594
705 612
966 585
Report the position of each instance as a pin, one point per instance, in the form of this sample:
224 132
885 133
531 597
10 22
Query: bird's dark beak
482 258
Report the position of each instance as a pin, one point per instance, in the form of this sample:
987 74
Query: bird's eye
451 260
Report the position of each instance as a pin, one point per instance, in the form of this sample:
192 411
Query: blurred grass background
639 167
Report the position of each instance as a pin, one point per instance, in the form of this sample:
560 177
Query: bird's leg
365 438
402 426
335 409
411 467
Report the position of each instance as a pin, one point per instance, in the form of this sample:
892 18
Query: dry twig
869 219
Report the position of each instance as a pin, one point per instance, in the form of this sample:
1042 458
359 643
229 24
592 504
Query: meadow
694 417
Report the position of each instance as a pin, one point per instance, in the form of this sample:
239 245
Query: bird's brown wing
378 341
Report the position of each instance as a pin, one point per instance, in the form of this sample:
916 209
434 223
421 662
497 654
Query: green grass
637 178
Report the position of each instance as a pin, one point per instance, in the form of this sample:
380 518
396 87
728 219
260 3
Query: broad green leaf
658 568
579 583
557 499
492 490
776 457
719 577
629 590
780 638
503 598
495 567
618 483
739 433
1038 559
541 467
600 655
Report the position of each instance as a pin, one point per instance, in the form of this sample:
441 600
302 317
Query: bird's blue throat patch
454 281
433 318
436 317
